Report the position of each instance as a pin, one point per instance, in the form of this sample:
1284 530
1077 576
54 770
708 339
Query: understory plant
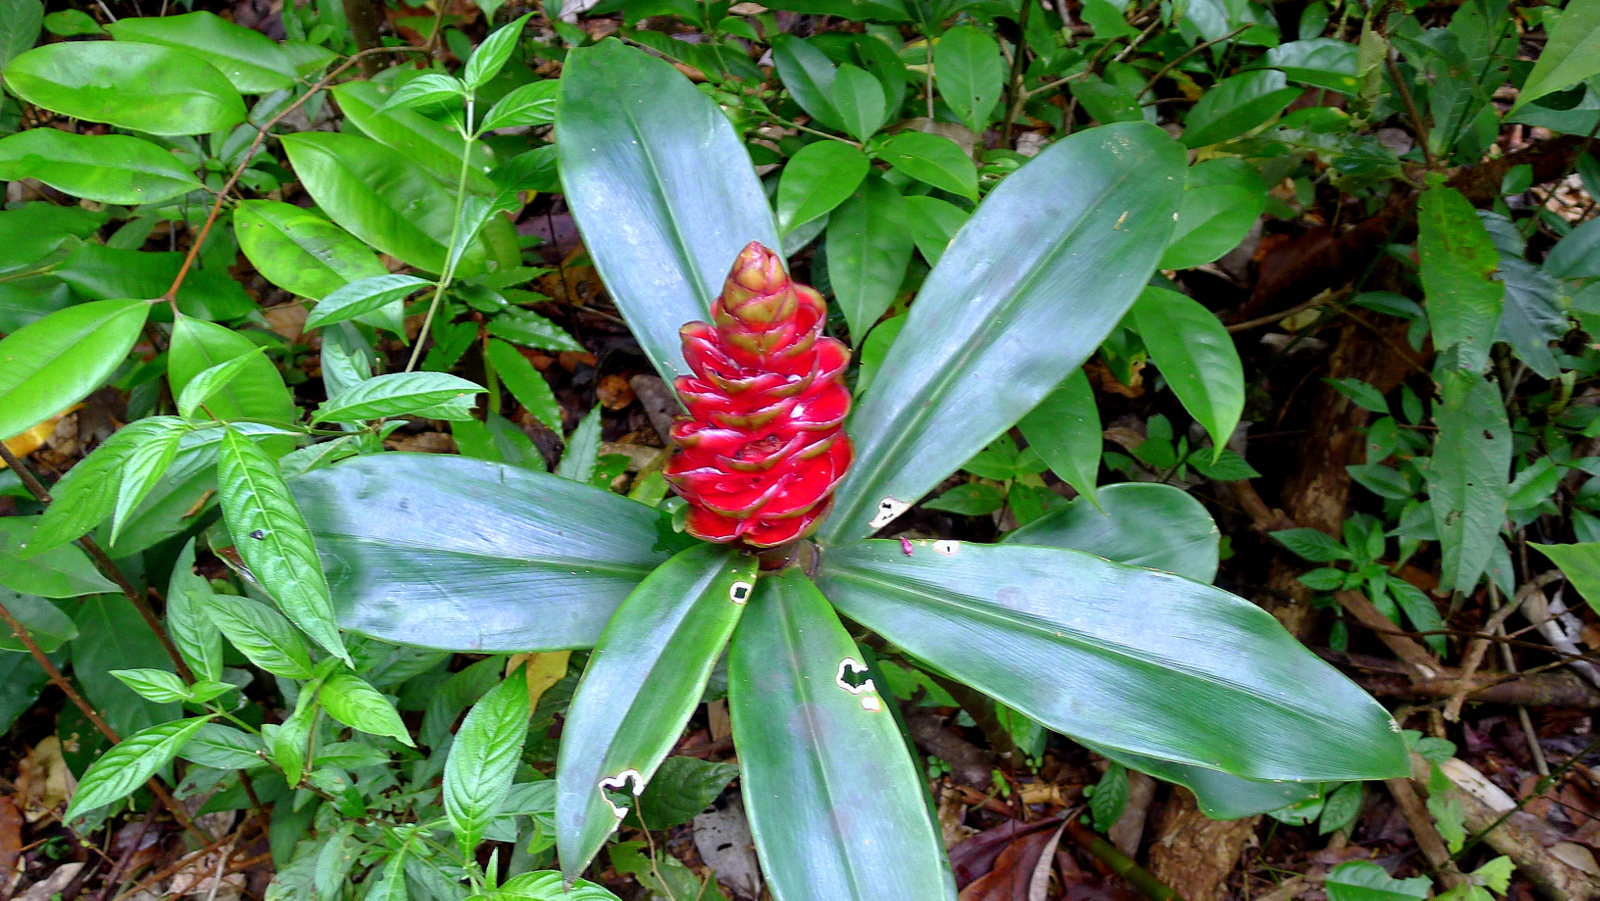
1153 669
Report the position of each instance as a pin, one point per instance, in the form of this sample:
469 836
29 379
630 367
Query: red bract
763 445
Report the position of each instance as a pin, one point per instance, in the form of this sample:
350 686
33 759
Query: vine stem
171 296
60 681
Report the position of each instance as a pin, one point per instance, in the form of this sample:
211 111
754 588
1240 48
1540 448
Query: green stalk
467 137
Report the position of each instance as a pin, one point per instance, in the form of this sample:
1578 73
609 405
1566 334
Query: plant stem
1014 94
1418 125
105 565
452 256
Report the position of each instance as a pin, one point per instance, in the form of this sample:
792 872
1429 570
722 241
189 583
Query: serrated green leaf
525 383
350 700
129 763
483 759
261 634
398 394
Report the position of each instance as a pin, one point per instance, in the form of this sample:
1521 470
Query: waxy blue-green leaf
1062 247
484 757
836 805
1064 430
1139 523
253 62
1220 796
971 74
143 87
106 168
868 249
400 393
272 538
537 562
62 572
644 680
818 178
934 159
52 363
1142 661
1469 476
1196 355
130 762
380 196
1236 105
1222 199
661 187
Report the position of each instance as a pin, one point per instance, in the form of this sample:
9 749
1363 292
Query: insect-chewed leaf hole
853 678
740 592
947 548
629 780
889 509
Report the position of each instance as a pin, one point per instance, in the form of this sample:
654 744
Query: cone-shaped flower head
763 445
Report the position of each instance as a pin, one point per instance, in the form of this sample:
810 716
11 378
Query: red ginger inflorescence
763 445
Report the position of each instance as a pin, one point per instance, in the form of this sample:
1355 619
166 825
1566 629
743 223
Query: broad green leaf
933 223
1220 796
818 178
578 458
1196 355
401 393
1580 563
155 442
435 147
530 104
300 251
430 89
1141 661
1457 262
46 624
257 392
934 159
208 382
661 187
531 330
1575 256
484 757
143 87
1062 247
1106 101
35 229
349 699
1533 316
1320 62
971 74
1568 56
224 748
272 538
363 296
380 196
253 62
54 362
21 678
486 61
154 684
109 273
1360 880
1139 523
682 788
836 805
63 572
644 680
808 75
525 383
106 168
1064 430
112 635
1469 476
1222 199
537 562
546 886
19 28
868 249
261 634
197 638
858 97
130 763
1236 105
